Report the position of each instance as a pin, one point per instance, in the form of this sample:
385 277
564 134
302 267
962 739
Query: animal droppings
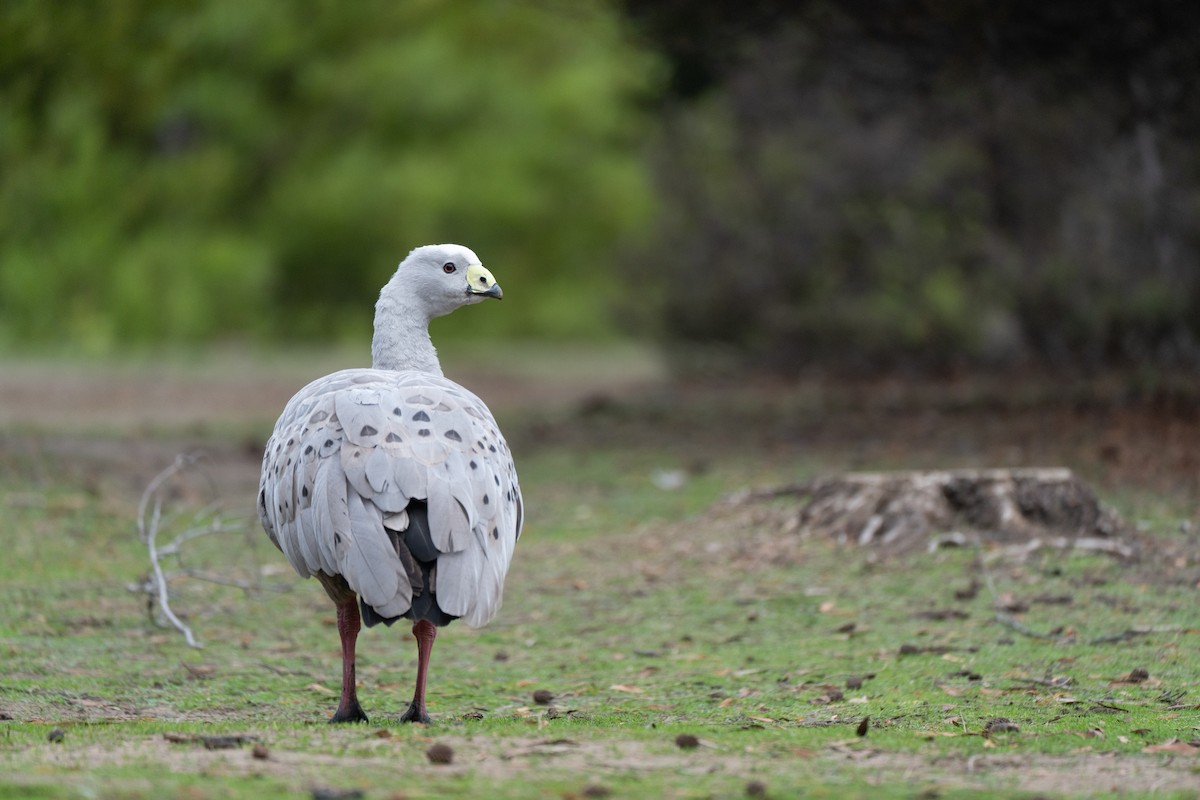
440 753
999 725
543 697
686 741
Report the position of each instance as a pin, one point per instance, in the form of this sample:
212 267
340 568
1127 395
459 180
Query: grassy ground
654 642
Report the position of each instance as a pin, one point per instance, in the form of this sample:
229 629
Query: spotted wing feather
350 452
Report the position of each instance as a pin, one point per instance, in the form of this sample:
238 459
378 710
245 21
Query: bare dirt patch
1086 773
137 428
378 753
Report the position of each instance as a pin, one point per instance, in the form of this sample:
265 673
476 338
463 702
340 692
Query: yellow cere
478 278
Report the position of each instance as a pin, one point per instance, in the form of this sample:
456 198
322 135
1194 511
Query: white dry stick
153 522
149 533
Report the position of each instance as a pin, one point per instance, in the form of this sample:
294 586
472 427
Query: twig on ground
1171 696
1009 622
1110 706
220 580
148 532
1129 633
1132 633
152 523
1114 547
1061 682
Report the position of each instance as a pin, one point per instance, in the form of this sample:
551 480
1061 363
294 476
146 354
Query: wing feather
349 453
369 562
379 471
354 463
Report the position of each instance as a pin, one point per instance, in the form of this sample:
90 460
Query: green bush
220 168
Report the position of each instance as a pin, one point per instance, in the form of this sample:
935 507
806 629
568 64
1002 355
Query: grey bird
393 485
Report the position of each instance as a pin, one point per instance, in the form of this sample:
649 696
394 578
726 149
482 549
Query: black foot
415 713
352 714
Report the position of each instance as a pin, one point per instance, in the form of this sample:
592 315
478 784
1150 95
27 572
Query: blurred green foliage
221 169
818 182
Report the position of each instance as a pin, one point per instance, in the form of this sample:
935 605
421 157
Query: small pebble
687 741
55 735
439 753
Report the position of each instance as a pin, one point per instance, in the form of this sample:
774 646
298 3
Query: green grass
646 613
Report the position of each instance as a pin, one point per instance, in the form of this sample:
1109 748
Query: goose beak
480 282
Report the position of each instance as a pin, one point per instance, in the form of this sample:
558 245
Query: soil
508 760
128 424
109 434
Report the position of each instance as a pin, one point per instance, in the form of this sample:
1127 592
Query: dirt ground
110 431
1116 435
1048 775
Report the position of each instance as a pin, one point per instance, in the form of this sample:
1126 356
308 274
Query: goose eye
448 267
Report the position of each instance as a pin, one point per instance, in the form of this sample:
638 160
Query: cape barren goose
392 485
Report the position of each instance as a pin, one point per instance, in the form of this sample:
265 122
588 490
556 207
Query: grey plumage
349 454
392 485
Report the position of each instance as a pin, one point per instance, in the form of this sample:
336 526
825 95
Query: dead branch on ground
152 523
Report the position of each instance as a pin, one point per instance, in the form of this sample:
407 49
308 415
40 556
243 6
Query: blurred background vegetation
767 185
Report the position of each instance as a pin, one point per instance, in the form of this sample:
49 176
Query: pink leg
348 623
426 632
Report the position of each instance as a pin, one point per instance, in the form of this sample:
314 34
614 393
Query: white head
431 282
438 278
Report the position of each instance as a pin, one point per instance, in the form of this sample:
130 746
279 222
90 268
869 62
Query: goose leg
425 633
348 623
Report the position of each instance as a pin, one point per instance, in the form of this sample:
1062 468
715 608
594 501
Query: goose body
393 486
